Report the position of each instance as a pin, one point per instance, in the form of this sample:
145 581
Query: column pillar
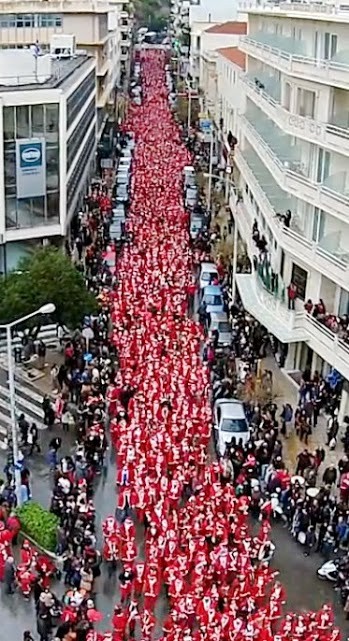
291 356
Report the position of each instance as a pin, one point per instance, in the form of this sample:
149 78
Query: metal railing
316 63
283 235
289 173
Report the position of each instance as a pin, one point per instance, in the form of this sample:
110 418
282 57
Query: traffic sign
205 125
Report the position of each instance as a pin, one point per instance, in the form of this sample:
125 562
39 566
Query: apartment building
48 118
98 27
292 127
214 39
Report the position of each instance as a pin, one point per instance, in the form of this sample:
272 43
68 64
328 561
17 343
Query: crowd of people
138 368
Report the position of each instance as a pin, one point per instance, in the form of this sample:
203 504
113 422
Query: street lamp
48 308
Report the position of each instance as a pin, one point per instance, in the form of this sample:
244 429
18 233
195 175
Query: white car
229 422
208 271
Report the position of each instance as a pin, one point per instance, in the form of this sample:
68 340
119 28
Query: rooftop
230 28
64 70
234 55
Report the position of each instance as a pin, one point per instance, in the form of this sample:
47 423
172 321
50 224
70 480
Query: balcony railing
329 135
332 71
292 326
294 182
289 239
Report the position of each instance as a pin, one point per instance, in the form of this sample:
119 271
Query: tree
47 276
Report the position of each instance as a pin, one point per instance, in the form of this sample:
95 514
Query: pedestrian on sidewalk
33 439
330 475
23 428
9 575
310 540
286 418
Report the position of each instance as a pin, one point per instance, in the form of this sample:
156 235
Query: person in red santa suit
128 552
134 617
26 554
119 622
128 530
126 583
25 579
276 601
111 553
325 619
110 527
151 587
147 624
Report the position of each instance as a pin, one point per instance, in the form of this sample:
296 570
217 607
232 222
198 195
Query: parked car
220 322
213 297
191 197
122 193
208 271
229 421
196 225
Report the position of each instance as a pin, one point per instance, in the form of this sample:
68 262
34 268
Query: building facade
47 153
291 163
102 29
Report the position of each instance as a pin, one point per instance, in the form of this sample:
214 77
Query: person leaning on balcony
308 306
292 295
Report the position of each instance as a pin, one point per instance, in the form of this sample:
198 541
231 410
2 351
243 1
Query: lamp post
187 82
49 308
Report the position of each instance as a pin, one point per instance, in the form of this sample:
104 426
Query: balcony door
323 168
330 45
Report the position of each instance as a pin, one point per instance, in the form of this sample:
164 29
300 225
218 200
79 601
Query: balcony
318 255
285 54
329 136
290 176
291 326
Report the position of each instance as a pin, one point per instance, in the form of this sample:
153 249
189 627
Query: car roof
219 317
208 267
213 289
231 408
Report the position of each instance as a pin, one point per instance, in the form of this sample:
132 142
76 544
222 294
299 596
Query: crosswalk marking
29 392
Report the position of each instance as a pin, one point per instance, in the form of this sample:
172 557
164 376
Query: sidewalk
284 389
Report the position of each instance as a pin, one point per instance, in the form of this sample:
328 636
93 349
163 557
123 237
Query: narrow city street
158 471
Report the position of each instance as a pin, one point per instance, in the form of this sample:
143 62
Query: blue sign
205 125
31 167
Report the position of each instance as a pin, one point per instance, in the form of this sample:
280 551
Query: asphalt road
297 572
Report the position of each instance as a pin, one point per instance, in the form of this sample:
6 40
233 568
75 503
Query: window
80 132
52 117
323 168
22 121
9 123
38 128
86 157
299 277
79 97
10 168
330 45
52 168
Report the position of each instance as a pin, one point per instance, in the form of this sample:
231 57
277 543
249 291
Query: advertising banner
31 167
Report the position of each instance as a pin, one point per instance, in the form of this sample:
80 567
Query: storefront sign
31 167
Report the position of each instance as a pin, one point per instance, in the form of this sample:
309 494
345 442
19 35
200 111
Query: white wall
214 10
213 41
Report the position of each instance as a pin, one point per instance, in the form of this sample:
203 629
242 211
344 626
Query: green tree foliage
152 13
47 276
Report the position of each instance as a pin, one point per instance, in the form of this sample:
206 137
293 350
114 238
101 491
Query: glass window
10 168
299 277
38 210
11 212
53 206
37 120
19 21
9 123
52 168
80 132
22 117
28 20
52 115
58 21
79 97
